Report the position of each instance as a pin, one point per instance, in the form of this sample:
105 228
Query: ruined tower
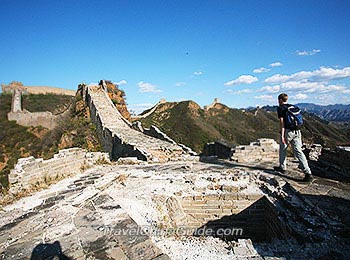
16 105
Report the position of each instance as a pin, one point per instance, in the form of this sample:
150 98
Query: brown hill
186 122
118 98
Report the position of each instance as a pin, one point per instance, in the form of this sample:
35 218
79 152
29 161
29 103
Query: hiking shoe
307 178
279 169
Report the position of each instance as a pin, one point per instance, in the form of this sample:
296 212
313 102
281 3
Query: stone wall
16 105
221 149
9 88
117 136
334 164
262 150
26 118
30 172
251 215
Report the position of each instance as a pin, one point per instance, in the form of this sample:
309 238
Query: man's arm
282 130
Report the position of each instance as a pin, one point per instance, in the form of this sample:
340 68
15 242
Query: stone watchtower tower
16 105
16 88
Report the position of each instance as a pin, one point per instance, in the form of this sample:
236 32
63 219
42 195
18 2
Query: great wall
26 118
119 139
148 197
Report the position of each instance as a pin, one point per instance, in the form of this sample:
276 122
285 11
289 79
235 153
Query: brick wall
262 150
252 213
119 139
30 172
25 118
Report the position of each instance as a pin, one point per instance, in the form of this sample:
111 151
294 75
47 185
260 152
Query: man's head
282 98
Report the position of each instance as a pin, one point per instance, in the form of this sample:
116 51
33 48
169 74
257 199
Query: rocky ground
84 216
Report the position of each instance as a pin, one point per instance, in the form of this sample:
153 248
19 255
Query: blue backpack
294 118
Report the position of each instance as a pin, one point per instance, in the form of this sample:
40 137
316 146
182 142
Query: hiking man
290 134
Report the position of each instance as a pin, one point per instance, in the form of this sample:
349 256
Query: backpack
294 118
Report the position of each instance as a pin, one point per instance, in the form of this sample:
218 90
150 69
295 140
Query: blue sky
243 52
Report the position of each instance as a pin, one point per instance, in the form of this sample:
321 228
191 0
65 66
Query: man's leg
296 144
283 155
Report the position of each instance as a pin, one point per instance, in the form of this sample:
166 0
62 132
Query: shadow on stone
48 252
258 222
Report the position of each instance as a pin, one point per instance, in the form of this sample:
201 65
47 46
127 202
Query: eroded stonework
118 137
86 215
30 173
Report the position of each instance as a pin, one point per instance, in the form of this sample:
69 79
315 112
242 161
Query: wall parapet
30 172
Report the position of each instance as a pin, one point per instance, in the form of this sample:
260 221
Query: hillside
17 141
74 130
118 98
187 123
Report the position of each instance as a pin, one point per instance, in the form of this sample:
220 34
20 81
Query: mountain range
333 113
186 122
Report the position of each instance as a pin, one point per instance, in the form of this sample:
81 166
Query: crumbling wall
221 149
334 164
35 89
119 139
251 215
26 118
30 172
262 150
10 88
152 131
111 142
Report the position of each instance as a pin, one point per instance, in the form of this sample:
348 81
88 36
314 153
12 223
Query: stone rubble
333 164
84 212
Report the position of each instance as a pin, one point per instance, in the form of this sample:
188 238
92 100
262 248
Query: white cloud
310 87
300 96
261 70
322 74
326 99
243 91
243 79
180 84
308 53
93 84
268 98
139 108
122 82
346 91
271 89
276 64
198 73
145 87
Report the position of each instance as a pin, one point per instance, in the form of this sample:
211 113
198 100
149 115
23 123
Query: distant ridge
36 89
335 113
